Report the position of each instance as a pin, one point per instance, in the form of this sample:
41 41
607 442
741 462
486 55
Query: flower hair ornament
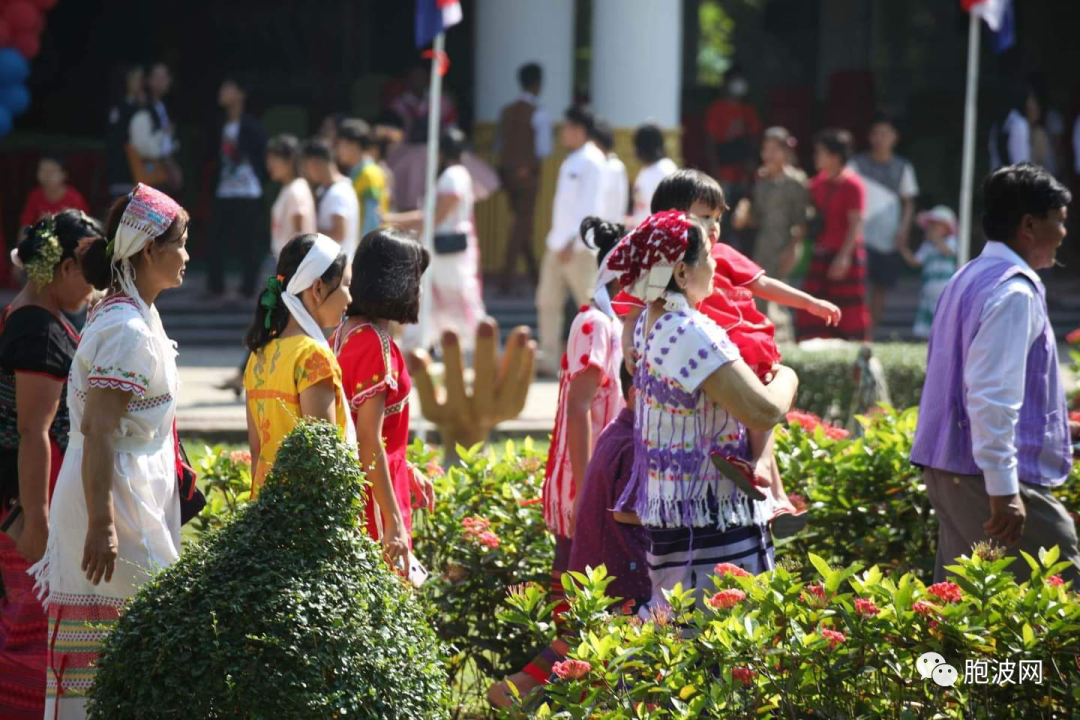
271 296
644 260
47 252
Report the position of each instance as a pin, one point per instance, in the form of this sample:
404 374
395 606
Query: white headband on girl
318 260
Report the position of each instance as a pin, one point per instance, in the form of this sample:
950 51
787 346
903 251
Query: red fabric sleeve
736 267
624 302
363 367
74 199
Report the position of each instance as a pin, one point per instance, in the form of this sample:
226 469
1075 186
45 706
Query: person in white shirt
150 130
522 143
457 303
656 165
337 207
615 190
293 212
569 266
237 227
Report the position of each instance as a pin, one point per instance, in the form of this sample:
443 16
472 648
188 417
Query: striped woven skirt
688 556
848 294
22 639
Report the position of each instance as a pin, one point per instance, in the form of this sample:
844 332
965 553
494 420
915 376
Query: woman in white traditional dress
115 513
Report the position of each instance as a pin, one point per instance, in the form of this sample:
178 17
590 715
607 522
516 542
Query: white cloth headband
318 260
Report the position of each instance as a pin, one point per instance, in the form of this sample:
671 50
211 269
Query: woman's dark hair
97 264
626 381
649 143
683 188
287 148
836 142
386 276
70 227
603 236
294 252
695 244
452 143
1015 191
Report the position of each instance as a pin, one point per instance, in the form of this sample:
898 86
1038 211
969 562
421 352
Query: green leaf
820 565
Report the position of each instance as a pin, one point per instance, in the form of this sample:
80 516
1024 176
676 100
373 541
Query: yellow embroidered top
274 378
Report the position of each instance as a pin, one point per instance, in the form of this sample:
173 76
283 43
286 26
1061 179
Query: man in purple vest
993 433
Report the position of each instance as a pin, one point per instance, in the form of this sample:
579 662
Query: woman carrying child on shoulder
737 281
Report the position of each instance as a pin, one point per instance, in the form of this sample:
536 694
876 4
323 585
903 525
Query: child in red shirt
52 195
737 281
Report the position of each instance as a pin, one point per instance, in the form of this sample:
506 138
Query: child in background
737 282
52 195
355 150
589 400
937 258
615 540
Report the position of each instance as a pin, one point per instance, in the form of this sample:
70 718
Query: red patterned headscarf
644 260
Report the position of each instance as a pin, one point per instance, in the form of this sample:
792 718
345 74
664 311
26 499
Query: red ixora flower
744 675
728 569
816 594
834 637
865 607
1073 338
489 540
571 669
806 420
946 592
475 525
1055 581
923 608
836 433
726 598
240 457
434 469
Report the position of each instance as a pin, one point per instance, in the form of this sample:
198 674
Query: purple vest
943 436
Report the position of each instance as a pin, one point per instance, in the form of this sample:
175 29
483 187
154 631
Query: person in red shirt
52 195
732 129
837 269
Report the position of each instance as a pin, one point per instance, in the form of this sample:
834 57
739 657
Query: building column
508 34
636 76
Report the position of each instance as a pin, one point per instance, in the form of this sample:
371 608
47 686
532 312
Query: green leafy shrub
826 379
287 611
487 533
842 647
867 501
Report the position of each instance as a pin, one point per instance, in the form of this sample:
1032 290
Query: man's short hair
1014 191
582 117
530 75
602 134
357 131
317 149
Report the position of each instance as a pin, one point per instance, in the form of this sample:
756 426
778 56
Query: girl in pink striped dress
590 398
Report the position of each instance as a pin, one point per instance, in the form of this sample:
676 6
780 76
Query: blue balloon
13 66
16 98
5 121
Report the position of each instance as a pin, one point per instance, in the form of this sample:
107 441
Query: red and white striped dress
594 342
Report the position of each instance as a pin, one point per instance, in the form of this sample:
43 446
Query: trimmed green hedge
826 377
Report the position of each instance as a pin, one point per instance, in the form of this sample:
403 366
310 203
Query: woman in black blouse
37 345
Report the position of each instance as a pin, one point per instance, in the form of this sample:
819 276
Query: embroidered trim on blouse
388 382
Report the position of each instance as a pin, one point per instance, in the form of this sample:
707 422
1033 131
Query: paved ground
212 414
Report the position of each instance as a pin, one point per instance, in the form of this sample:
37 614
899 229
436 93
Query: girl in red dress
385 288
737 281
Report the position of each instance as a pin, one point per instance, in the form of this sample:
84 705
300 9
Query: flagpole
967 176
428 237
